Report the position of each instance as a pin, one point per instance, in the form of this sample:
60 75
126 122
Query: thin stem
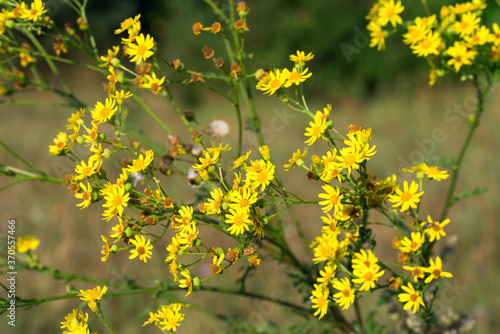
152 114
456 170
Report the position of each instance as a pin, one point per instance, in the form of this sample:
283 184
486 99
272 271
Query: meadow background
386 91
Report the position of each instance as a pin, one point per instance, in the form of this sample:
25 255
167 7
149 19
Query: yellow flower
142 248
319 300
116 199
273 81
407 198
260 174
127 24
428 45
333 198
363 259
435 270
141 163
346 295
417 272
316 128
105 249
296 160
92 296
389 12
297 77
153 83
86 195
187 282
412 298
435 229
103 112
85 170
377 35
239 219
326 275
35 13
367 276
413 245
142 50
467 25
460 55
300 58
26 243
60 143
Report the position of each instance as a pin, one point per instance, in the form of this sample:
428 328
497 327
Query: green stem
457 167
152 114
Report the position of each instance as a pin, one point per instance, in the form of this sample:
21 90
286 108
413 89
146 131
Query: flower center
262 177
141 250
141 49
406 196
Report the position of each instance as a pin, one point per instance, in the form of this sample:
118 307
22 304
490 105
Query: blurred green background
386 91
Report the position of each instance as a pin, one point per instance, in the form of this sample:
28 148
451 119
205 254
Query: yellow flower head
26 243
141 49
142 248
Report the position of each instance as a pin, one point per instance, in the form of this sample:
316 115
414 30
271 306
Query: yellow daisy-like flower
417 272
412 298
364 259
296 77
428 45
435 229
142 248
187 282
377 35
60 143
86 195
240 162
207 161
127 24
75 320
103 112
243 197
333 198
35 13
141 50
153 83
141 163
184 220
273 81
26 243
346 295
239 219
407 198
416 32
350 159
319 300
389 12
327 274
85 170
468 23
435 270
413 245
300 58
316 128
188 236
171 319
367 276
296 160
260 174
75 121
460 55
325 247
92 296
105 249
116 199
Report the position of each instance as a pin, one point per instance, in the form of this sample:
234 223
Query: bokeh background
385 91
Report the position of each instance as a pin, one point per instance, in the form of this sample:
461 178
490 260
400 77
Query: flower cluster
273 82
451 41
168 317
76 323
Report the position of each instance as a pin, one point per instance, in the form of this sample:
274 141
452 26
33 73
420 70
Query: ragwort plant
243 198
